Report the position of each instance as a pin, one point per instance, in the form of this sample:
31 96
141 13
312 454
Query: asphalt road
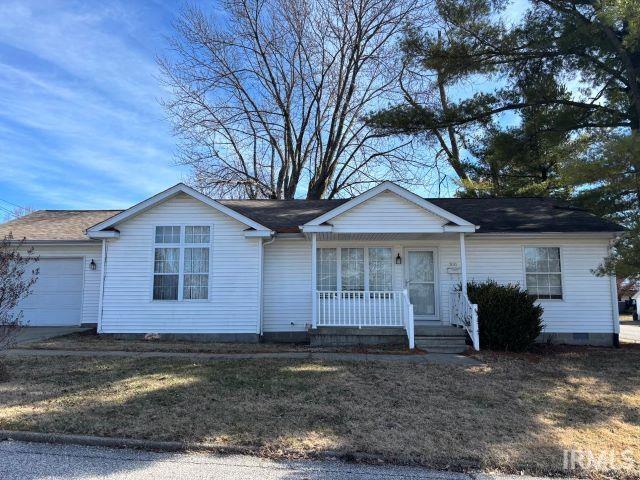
37 461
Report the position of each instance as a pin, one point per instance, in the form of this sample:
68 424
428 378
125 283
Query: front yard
516 412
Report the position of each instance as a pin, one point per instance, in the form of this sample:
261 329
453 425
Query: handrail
465 314
366 308
409 323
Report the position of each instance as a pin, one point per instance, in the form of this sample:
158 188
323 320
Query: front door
420 278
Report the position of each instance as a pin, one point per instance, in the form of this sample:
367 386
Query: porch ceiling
382 237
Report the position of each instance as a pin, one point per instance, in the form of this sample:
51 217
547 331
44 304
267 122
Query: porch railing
365 309
465 314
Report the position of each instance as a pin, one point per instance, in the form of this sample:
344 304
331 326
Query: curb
115 442
173 446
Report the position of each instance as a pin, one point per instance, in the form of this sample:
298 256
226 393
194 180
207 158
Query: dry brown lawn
515 413
93 342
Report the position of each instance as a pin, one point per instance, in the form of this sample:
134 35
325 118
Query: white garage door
57 295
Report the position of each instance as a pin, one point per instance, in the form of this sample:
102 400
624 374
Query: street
38 461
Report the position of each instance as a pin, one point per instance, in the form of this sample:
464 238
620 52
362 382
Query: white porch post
314 286
463 264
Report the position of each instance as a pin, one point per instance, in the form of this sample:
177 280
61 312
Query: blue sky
80 121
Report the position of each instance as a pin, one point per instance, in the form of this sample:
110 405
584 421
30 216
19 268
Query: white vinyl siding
287 286
586 305
232 305
387 212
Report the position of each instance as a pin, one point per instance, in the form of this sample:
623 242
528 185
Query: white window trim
181 246
366 264
562 271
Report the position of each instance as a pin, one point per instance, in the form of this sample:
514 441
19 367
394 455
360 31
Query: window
166 273
167 234
327 271
543 272
380 269
354 269
181 264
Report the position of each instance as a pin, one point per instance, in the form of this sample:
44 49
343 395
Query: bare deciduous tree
271 94
17 277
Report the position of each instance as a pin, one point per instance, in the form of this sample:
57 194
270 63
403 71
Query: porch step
438 331
442 344
440 339
343 336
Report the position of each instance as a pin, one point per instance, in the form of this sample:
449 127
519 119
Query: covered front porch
370 284
390 259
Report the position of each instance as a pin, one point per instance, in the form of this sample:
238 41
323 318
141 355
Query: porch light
93 265
398 260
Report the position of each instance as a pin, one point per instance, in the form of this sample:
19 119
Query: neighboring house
386 261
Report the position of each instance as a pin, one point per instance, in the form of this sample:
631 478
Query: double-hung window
543 272
354 269
181 263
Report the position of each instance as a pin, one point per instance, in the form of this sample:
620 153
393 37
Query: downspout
261 286
615 317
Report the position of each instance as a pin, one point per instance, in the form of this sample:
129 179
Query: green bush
508 318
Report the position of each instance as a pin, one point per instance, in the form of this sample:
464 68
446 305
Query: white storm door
420 278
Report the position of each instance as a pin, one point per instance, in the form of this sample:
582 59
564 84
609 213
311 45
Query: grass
514 413
93 342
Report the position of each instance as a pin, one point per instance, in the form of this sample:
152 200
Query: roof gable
400 192
387 212
167 194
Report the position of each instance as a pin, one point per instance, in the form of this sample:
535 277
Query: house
382 264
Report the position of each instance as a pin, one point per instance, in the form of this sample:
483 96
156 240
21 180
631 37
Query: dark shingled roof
524 215
283 216
55 224
493 215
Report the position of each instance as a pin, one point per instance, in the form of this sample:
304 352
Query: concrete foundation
350 336
592 339
192 337
285 337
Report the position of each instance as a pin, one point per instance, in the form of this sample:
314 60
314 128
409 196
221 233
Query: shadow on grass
517 412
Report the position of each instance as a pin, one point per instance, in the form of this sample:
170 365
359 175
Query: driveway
33 334
34 461
630 332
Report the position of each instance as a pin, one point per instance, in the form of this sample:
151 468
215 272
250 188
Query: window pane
352 265
543 277
196 287
380 269
327 267
167 234
167 260
196 234
165 287
196 260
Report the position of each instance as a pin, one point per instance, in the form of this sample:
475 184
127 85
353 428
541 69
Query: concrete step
436 341
441 343
439 331
445 349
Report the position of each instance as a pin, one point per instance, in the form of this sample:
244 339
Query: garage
57 295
